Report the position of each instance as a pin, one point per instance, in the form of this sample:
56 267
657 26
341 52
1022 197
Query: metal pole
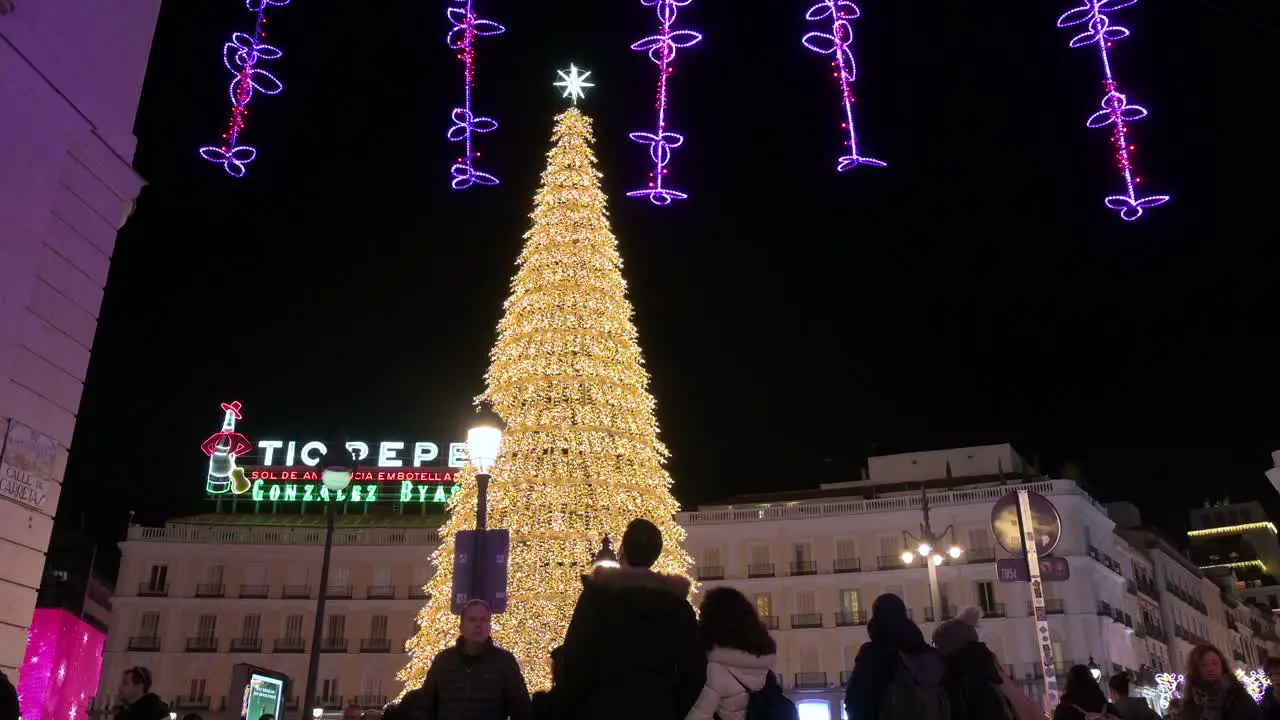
313 663
482 524
1039 616
935 594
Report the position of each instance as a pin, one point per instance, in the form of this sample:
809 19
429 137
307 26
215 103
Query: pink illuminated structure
1095 29
60 671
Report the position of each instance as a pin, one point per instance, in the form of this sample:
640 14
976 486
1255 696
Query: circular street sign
1045 521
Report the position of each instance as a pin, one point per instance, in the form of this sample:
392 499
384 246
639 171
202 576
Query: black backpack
768 703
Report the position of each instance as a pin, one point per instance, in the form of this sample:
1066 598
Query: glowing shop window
814 710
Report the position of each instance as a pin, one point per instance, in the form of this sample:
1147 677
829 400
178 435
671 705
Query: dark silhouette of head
1083 690
641 544
728 619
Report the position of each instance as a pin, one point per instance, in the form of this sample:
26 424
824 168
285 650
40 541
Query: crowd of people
635 650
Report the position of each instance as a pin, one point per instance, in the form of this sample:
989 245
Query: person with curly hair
1212 691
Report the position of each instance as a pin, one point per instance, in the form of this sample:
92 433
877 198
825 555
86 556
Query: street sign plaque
480 568
1052 569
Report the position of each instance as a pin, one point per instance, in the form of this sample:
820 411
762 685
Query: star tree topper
574 82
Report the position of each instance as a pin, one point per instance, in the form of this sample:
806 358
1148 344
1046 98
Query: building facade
202 594
813 563
70 77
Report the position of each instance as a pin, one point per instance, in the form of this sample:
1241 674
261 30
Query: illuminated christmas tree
580 456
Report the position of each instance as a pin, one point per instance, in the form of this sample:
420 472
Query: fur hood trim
621 578
735 658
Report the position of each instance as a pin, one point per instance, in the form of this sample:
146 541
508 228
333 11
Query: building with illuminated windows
813 562
1239 537
239 585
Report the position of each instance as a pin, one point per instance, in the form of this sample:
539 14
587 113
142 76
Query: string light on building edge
241 56
662 51
466 28
1116 110
839 45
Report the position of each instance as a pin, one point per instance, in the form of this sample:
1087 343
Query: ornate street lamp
605 557
484 439
335 474
928 548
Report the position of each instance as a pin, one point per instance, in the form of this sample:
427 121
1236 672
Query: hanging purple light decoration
662 51
1116 110
466 28
241 56
838 44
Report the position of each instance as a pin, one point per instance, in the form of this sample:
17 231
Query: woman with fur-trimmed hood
632 651
740 655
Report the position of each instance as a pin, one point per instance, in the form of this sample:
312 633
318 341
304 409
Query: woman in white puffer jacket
740 655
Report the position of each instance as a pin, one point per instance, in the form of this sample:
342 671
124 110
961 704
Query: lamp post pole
338 463
929 544
484 439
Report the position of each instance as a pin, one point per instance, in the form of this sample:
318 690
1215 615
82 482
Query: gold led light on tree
580 456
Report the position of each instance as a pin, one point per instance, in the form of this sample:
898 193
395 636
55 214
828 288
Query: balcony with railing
994 610
889 562
380 592
296 592
189 702
333 645
370 701
340 592
846 565
331 702
247 645
202 644
848 618
144 643
810 680
770 621
375 645
148 589
805 621
211 590
275 535
417 592
1052 606
710 572
980 555
804 567
906 502
256 592
760 570
290 645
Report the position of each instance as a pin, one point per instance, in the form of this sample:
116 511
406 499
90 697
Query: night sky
794 320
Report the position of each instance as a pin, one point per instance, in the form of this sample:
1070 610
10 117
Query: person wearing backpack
1082 699
896 675
740 657
973 677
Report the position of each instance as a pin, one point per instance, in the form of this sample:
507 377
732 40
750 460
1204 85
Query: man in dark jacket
633 650
1131 708
137 700
474 679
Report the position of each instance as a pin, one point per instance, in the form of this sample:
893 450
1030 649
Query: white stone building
202 594
814 562
70 76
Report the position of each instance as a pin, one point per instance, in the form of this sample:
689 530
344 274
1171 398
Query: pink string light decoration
466 28
241 56
839 45
1116 110
662 51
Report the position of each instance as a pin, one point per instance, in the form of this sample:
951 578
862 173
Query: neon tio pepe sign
389 471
